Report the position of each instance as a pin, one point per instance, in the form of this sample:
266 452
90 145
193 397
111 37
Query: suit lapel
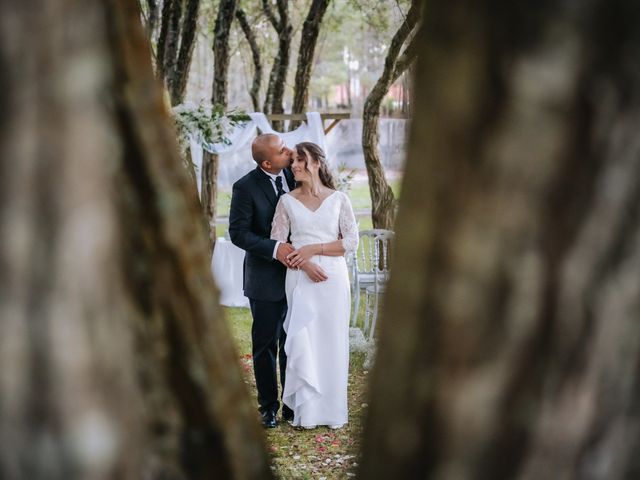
265 184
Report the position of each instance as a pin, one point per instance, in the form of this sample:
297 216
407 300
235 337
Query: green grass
221 229
360 196
321 452
223 202
239 320
364 222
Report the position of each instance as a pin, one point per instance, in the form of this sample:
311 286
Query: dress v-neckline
319 206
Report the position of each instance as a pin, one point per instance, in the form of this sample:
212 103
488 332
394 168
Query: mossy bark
510 342
117 362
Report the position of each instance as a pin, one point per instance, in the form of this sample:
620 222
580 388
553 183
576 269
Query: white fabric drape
235 157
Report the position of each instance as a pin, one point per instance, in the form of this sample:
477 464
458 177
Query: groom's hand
301 256
314 272
284 249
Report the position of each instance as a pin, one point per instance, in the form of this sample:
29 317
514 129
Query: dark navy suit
253 204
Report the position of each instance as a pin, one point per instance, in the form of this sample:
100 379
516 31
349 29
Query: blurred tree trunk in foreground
116 361
510 343
383 202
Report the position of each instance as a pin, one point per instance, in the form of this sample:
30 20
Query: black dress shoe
269 419
287 414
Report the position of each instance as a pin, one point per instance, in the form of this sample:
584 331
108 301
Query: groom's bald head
264 146
270 153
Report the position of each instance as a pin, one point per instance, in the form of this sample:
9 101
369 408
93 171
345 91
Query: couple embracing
295 228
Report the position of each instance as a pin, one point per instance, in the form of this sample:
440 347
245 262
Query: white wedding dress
317 322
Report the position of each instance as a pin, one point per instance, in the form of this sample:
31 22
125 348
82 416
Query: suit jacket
253 203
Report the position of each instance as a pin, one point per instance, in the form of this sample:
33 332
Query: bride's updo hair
309 149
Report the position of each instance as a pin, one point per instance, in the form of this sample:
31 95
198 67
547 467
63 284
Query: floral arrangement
343 177
208 123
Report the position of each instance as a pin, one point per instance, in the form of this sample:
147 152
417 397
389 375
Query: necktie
279 186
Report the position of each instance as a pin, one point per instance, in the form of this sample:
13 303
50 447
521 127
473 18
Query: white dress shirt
285 187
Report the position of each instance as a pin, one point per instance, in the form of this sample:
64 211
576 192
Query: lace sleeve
280 224
348 226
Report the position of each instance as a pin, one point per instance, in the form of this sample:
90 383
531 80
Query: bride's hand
314 272
299 257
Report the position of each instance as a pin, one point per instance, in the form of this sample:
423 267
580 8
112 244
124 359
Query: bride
320 223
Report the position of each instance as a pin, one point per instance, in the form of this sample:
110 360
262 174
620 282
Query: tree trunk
151 18
349 78
167 9
208 195
176 41
383 202
268 96
310 31
255 55
116 360
221 32
406 89
177 79
278 76
510 345
170 58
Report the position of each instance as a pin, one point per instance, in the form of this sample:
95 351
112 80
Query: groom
253 204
